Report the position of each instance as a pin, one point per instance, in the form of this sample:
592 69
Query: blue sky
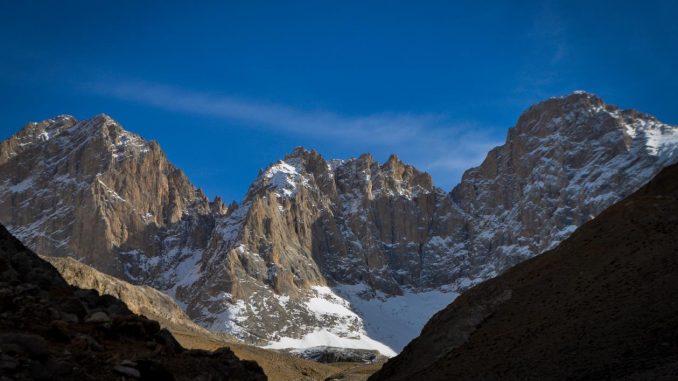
229 87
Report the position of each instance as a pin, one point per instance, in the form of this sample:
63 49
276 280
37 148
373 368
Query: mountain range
347 253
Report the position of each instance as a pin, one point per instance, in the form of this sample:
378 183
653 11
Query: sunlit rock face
342 253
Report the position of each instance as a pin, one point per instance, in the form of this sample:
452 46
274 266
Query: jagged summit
561 113
32 134
576 93
575 114
393 158
572 97
303 168
64 135
300 151
89 187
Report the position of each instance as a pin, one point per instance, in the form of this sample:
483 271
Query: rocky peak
579 115
404 179
90 186
299 169
584 117
283 178
33 134
301 152
363 176
218 207
368 177
577 101
565 161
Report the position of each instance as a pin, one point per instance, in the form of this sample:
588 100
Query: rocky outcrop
141 300
598 306
279 268
52 331
339 355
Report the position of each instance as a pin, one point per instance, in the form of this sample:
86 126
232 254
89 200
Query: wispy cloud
550 49
433 142
385 128
551 30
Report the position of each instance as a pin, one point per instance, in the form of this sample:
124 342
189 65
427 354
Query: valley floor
280 366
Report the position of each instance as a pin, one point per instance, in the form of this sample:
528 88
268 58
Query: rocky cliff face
141 300
598 306
565 161
94 191
324 252
305 224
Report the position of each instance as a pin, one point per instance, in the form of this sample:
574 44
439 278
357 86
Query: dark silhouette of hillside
52 331
602 305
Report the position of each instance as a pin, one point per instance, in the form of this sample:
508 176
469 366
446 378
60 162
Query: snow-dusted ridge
284 177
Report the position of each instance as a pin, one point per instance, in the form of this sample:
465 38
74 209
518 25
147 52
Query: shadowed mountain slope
141 300
146 301
52 331
602 305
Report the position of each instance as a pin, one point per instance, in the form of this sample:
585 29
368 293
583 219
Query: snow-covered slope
351 253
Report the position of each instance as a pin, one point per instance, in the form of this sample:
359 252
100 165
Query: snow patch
323 337
22 186
126 144
43 136
285 177
113 194
661 141
327 302
395 320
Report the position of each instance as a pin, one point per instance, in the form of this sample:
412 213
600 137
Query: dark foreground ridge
52 331
602 305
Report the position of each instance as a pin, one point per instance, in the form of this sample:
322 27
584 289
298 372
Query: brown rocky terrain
280 366
600 306
141 300
52 331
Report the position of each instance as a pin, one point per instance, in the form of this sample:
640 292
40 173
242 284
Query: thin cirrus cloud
431 141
